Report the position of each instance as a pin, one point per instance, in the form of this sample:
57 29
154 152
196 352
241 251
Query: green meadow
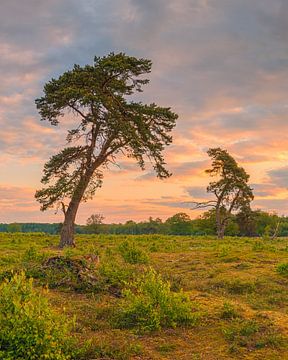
160 297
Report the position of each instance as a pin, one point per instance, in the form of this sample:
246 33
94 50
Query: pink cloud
227 81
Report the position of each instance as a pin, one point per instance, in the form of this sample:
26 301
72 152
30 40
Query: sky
222 65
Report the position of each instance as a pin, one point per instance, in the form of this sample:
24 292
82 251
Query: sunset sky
222 65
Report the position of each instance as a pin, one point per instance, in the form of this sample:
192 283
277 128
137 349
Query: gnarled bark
68 228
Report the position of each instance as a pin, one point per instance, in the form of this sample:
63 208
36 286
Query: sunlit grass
238 285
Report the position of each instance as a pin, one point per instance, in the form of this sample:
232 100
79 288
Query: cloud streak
221 65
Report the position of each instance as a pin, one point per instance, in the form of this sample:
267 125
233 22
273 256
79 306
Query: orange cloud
228 82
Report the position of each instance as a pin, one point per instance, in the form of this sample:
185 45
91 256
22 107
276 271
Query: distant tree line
245 223
47 228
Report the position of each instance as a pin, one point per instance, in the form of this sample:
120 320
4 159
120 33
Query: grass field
238 289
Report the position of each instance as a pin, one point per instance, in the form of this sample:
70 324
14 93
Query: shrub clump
74 273
133 254
112 277
235 286
228 312
149 304
252 334
282 269
29 330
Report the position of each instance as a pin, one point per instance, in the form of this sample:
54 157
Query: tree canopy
230 188
106 124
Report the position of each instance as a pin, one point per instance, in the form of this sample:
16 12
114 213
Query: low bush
177 282
29 330
133 254
166 348
224 251
31 262
32 255
228 312
252 334
114 351
258 246
234 287
113 276
282 269
240 287
149 304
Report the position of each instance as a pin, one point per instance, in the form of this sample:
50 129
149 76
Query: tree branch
78 111
233 202
63 207
203 205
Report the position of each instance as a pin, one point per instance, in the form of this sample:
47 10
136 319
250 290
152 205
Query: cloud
18 204
279 176
264 190
180 170
279 206
222 65
198 193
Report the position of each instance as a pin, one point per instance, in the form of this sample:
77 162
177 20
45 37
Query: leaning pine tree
106 124
230 188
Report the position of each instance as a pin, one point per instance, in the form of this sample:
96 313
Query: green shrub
234 287
166 348
177 282
253 334
113 350
32 255
267 232
258 245
29 330
133 254
239 287
7 275
153 247
149 304
228 312
282 269
224 251
113 275
32 262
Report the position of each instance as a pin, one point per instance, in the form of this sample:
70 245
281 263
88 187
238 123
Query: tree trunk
68 228
275 234
221 231
67 234
219 225
67 231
